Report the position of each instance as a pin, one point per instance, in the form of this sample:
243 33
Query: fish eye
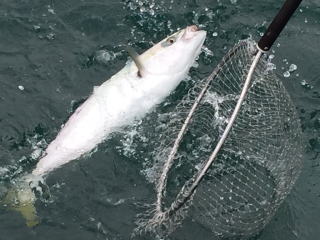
171 40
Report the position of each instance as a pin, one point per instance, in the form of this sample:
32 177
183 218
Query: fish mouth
193 28
192 31
194 34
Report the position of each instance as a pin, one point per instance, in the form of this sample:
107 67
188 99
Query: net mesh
254 170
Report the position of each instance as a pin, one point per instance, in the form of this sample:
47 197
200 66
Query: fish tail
21 198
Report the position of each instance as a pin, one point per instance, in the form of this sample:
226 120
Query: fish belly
102 113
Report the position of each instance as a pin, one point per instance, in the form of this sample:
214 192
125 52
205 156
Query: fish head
176 53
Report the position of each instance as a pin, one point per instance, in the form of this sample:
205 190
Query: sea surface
52 54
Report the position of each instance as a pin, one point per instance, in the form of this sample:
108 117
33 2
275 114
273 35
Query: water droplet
270 67
36 27
142 9
263 202
36 153
207 51
104 56
50 36
21 87
292 67
305 84
51 10
286 74
195 64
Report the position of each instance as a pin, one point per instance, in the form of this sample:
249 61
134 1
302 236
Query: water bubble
36 27
51 27
207 51
169 24
3 171
104 56
36 153
292 67
214 34
286 74
304 82
143 9
51 10
195 64
50 36
270 67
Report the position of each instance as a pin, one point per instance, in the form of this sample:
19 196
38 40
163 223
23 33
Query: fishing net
256 166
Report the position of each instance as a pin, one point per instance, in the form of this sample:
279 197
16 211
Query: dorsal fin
135 57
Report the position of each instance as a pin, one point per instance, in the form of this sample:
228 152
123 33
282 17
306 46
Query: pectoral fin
135 57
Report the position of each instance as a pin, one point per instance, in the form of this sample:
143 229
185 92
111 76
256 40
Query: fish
127 96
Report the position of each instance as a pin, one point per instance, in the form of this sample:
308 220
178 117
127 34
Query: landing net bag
256 166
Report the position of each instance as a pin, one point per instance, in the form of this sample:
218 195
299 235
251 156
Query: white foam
4 172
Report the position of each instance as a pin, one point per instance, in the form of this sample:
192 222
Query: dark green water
59 50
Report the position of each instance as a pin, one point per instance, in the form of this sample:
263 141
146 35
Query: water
52 53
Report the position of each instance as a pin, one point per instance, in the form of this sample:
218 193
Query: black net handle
278 23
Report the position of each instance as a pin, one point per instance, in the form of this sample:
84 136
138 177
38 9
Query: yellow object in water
21 198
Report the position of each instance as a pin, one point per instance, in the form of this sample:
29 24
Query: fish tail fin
21 198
